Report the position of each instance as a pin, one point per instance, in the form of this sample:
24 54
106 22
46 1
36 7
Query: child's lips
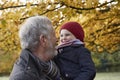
64 41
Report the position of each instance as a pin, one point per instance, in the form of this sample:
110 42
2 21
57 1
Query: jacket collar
30 61
75 42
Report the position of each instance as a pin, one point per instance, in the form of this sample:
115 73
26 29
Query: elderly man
38 42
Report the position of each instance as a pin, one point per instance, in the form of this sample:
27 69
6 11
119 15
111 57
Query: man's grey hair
31 30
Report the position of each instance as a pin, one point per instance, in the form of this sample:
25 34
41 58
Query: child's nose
64 37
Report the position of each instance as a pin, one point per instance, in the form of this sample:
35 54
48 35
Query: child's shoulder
80 49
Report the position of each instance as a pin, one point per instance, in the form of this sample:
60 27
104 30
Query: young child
73 59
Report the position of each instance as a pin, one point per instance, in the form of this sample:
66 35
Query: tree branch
73 7
111 31
19 6
48 10
2 8
101 18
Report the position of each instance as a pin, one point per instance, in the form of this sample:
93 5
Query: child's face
66 36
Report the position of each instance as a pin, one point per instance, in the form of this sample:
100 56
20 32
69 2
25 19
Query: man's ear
43 40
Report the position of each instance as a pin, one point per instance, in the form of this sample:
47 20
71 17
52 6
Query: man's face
51 44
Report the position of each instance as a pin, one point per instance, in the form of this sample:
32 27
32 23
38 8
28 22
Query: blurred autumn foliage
99 18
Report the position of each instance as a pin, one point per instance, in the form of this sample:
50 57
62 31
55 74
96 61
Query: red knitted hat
75 28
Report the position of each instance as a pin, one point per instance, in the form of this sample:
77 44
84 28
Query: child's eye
61 35
67 34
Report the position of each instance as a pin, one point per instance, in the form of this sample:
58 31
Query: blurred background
99 18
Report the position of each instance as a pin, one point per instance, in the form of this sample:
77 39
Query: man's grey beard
51 51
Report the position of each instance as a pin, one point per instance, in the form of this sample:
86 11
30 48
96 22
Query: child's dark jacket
75 63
